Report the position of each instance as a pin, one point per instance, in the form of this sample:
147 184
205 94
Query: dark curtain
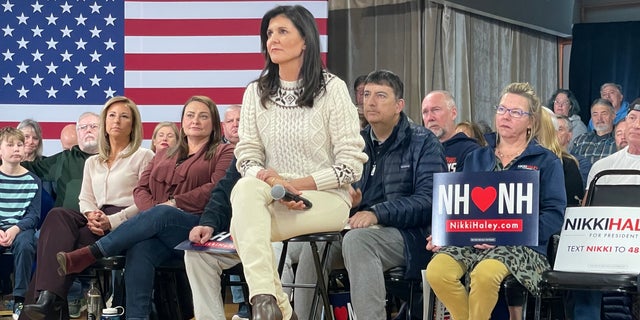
604 52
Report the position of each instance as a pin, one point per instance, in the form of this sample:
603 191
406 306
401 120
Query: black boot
265 307
48 304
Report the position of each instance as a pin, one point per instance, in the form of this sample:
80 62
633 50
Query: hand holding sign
485 209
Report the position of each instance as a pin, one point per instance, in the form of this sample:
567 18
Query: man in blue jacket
391 214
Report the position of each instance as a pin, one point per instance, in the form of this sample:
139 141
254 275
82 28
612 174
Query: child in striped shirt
20 192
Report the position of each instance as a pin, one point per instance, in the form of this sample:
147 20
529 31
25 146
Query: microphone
278 192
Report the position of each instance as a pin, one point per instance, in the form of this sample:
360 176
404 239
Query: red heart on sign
340 313
483 198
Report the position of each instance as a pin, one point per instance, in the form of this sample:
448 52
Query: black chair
319 263
396 276
101 272
516 294
172 293
598 195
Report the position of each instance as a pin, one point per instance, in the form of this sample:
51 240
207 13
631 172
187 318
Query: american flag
62 58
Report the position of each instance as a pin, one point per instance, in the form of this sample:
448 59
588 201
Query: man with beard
599 143
619 135
439 115
66 168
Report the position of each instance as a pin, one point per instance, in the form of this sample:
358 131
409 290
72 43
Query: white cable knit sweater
322 142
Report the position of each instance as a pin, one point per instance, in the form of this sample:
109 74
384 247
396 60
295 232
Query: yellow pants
444 274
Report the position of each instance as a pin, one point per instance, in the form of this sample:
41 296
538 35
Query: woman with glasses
512 147
106 200
564 103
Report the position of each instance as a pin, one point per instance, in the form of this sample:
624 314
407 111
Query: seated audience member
587 304
613 93
32 139
68 136
619 132
165 135
512 147
563 132
66 167
473 131
549 138
105 200
171 194
564 103
358 91
19 211
599 143
231 123
402 208
315 105
439 115
33 152
203 268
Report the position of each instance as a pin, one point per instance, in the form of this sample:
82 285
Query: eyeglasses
516 113
85 127
565 103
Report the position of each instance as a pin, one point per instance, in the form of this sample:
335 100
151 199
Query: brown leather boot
265 307
75 261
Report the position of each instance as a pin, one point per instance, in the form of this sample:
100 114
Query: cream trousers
257 221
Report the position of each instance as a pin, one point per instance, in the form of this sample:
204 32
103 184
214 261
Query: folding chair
617 195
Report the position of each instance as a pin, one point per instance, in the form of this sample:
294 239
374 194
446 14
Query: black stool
396 275
172 292
101 272
319 264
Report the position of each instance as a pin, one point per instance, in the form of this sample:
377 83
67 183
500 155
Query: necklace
508 155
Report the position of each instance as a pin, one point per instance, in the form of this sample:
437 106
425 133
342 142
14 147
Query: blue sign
497 208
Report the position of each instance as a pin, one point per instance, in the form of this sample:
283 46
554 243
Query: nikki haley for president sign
499 208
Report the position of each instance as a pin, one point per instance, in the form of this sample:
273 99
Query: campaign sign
600 240
497 207
219 243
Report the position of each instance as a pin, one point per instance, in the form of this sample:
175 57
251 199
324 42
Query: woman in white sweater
299 129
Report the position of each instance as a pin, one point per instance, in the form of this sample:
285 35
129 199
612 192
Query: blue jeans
586 304
236 291
149 239
24 255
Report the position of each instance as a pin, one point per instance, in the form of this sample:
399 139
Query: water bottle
94 302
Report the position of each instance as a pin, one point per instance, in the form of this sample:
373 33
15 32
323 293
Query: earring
528 132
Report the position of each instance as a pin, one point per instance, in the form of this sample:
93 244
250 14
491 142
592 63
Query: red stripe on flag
51 130
199 27
194 61
178 96
197 61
